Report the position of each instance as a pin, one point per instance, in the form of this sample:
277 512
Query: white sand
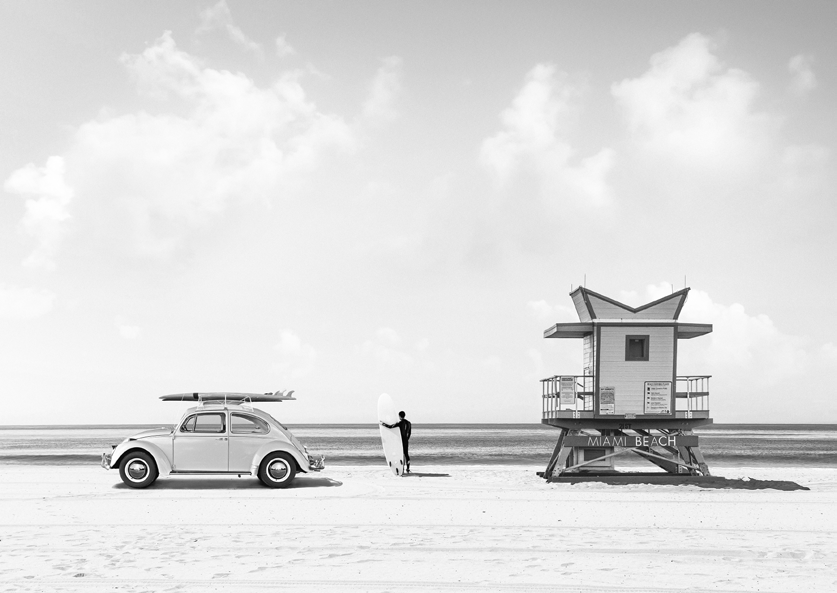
361 529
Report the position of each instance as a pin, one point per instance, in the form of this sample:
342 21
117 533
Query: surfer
406 428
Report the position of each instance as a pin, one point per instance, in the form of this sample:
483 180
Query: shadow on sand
249 483
660 479
425 475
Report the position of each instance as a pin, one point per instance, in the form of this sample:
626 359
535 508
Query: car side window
189 424
205 423
213 423
241 424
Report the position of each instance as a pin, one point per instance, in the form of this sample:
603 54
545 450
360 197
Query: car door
200 443
247 434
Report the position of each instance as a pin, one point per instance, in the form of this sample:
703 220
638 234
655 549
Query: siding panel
581 307
606 310
589 363
629 377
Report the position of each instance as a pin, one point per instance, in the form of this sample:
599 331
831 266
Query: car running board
205 473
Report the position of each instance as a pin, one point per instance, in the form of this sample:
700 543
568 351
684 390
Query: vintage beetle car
223 435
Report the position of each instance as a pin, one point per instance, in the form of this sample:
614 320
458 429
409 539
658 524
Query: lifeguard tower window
636 347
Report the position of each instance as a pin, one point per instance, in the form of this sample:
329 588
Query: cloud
47 212
385 350
384 90
691 110
491 363
534 139
295 359
127 330
803 79
237 142
553 313
755 364
828 353
219 17
702 143
213 139
283 48
804 170
22 304
538 369
388 336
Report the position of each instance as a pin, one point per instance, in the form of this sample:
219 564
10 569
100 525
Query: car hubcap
277 470
137 470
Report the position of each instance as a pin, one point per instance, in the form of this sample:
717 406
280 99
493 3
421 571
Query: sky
347 199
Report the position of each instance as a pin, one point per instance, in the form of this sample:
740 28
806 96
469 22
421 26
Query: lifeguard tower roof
594 308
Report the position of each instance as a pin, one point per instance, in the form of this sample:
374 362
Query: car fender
160 458
277 445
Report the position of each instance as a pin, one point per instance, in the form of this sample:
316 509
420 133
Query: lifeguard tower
629 398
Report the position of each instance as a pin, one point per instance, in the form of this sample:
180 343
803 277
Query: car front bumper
315 462
106 457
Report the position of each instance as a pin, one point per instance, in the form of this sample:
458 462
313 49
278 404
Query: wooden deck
611 423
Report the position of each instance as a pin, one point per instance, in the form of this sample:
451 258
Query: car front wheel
277 470
138 470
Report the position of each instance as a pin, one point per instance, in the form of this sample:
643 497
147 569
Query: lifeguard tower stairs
629 400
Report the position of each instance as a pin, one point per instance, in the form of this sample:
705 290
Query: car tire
277 470
137 469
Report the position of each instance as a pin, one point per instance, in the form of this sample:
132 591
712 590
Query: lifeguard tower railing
691 395
584 400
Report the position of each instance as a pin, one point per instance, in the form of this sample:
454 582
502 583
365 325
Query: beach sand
482 528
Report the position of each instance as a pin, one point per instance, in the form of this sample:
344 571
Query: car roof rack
231 397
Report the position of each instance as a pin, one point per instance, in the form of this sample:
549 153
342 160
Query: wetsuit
406 428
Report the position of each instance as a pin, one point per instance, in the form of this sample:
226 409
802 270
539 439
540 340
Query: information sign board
625 440
567 391
607 400
658 397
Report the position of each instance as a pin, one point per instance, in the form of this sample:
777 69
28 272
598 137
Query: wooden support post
697 456
700 460
686 456
550 467
562 459
559 455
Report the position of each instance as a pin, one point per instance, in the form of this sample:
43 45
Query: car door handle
221 438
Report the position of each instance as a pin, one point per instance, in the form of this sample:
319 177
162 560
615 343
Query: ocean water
810 445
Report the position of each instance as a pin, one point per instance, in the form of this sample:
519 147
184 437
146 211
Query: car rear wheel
138 470
277 470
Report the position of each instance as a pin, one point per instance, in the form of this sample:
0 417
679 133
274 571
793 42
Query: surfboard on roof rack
228 396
